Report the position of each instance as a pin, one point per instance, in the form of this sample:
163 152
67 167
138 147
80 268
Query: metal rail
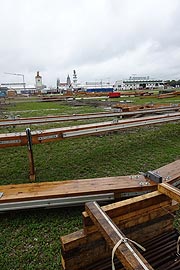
51 119
53 203
20 139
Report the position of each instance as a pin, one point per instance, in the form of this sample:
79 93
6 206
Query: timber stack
112 235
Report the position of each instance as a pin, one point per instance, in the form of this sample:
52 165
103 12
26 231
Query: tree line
173 83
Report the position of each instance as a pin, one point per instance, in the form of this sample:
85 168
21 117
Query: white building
134 83
20 88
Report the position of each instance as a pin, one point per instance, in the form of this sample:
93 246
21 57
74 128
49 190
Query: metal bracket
153 176
1 194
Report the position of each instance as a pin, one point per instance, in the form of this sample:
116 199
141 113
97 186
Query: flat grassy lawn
32 109
120 153
29 240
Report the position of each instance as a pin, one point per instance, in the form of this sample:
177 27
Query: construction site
90 181
90 135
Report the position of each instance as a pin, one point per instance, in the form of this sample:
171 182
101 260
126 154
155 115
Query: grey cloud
104 38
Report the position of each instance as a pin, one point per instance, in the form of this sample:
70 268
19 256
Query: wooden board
132 211
63 189
59 189
170 191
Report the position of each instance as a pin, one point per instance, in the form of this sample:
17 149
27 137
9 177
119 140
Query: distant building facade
134 83
18 88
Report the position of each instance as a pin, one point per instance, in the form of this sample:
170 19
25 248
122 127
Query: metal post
32 175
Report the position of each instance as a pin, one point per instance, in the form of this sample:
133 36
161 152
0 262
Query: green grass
148 100
32 109
30 239
116 154
176 222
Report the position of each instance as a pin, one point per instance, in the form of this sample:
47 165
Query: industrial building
134 83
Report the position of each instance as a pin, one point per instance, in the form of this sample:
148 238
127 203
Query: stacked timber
169 95
130 108
146 219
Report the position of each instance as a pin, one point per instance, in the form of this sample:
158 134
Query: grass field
30 239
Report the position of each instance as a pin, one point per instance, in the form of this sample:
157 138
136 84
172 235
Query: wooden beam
51 135
78 238
129 207
62 118
126 252
138 217
72 188
171 191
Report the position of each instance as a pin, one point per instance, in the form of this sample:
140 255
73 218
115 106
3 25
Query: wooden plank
59 118
170 172
126 252
69 188
170 191
137 217
129 208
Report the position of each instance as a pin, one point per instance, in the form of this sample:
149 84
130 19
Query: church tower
38 80
68 81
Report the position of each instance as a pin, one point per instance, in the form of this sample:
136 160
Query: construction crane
17 74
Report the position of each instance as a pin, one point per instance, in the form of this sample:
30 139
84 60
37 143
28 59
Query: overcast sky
100 39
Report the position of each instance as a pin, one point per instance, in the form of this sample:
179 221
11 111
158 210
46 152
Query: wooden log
126 252
170 191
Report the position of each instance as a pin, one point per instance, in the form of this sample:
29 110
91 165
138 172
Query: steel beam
55 203
20 139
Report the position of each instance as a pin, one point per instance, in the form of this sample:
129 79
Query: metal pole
23 81
32 175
